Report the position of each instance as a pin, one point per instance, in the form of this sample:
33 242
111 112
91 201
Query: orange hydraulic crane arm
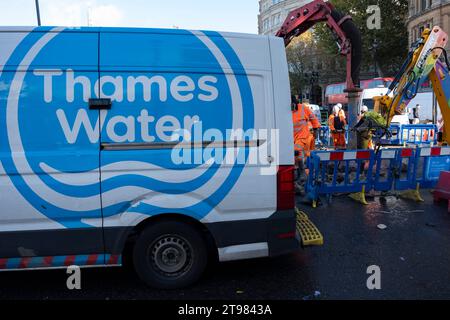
346 33
422 64
440 79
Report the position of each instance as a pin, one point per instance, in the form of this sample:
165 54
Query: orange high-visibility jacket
302 119
331 121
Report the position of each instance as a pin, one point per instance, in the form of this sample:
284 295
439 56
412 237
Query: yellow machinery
422 64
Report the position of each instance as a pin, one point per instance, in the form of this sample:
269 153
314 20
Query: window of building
425 4
265 24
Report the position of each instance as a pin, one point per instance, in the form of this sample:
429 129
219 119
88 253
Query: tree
297 55
384 49
311 65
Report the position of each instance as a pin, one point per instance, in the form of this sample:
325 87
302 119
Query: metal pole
434 108
353 107
38 14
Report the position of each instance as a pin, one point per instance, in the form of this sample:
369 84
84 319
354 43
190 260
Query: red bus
335 94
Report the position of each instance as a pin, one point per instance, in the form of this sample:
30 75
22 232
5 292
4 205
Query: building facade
272 14
426 14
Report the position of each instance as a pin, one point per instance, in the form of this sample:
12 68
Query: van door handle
100 104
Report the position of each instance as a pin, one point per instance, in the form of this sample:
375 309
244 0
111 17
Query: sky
218 15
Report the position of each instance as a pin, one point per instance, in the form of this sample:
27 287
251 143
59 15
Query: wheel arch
129 238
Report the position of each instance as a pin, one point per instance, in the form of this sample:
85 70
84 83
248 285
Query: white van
172 145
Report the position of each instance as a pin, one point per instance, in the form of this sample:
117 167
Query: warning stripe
406 153
388 154
47 261
3 263
113 259
92 259
435 152
344 155
362 155
58 261
24 262
69 260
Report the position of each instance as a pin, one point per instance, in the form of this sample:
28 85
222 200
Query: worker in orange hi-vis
341 111
304 119
337 124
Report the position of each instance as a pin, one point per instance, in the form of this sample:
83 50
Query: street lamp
38 14
374 50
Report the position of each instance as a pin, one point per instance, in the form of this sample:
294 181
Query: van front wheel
170 255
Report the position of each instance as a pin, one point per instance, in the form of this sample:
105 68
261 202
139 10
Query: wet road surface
413 254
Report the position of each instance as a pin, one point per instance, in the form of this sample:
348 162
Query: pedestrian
337 123
440 133
294 103
416 117
440 124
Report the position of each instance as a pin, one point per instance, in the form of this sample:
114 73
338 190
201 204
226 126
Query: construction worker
304 119
341 111
368 136
367 126
337 123
364 109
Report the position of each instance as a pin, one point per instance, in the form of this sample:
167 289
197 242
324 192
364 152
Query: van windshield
369 103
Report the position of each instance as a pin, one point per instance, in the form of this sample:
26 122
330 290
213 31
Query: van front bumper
248 239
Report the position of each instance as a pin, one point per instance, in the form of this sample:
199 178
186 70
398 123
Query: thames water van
172 145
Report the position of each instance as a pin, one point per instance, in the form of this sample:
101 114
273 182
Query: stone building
426 14
272 14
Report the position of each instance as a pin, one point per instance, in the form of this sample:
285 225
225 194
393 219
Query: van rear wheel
170 255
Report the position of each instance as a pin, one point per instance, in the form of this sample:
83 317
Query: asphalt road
413 254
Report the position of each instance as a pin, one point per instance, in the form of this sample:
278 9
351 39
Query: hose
354 34
446 59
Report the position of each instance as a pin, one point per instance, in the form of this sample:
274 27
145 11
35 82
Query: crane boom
440 80
346 33
422 64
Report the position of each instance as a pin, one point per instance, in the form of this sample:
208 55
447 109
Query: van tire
170 255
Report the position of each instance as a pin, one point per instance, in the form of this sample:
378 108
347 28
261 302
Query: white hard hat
336 108
339 105
364 109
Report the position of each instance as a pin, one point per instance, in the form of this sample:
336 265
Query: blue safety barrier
393 138
405 169
419 134
338 172
385 170
430 162
409 134
423 134
324 136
